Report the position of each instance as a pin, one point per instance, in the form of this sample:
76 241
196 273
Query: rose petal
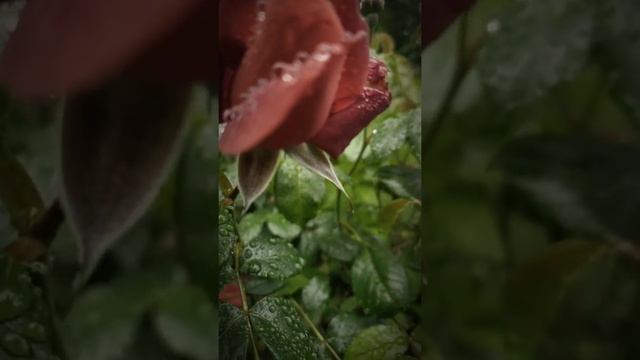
437 15
344 125
287 109
276 110
64 46
287 28
238 19
354 74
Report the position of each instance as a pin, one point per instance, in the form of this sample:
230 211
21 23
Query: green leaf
538 44
315 296
255 170
343 328
281 227
380 342
118 144
278 324
271 258
293 285
585 184
227 238
387 138
262 286
390 212
401 181
326 234
536 288
317 162
381 282
403 129
234 333
251 225
298 192
186 320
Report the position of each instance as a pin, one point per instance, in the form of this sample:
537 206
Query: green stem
463 64
243 296
315 330
365 143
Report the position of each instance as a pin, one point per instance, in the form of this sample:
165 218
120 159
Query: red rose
297 71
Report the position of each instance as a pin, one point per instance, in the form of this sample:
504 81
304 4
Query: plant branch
243 296
462 66
315 330
365 142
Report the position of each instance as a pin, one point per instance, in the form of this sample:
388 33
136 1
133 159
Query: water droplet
273 241
255 268
493 26
248 254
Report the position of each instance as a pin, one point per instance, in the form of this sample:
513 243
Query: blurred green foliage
531 187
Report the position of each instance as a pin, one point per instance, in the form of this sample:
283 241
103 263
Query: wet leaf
186 320
387 138
118 144
315 296
343 328
381 282
390 212
298 192
280 226
234 334
402 181
279 325
380 342
271 258
255 170
324 232
227 238
252 224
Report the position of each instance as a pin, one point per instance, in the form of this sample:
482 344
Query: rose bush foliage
297 72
